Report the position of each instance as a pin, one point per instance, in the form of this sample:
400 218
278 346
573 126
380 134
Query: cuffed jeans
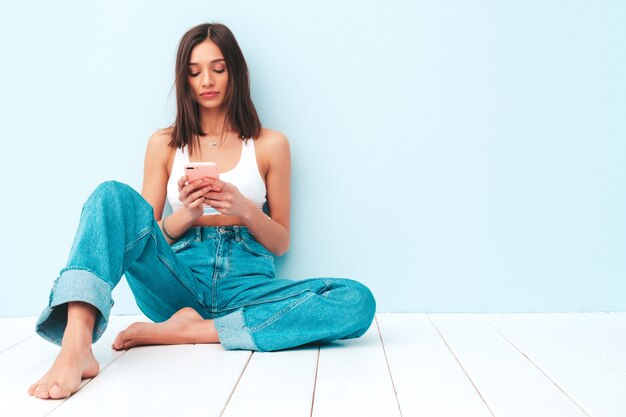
221 272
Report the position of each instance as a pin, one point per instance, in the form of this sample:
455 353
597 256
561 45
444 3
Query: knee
114 193
111 189
362 300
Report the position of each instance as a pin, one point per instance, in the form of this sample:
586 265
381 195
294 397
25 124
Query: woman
204 274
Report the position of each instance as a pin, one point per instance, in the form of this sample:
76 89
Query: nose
207 80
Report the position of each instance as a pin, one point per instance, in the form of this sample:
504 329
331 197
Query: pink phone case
195 170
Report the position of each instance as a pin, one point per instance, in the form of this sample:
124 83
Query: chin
211 106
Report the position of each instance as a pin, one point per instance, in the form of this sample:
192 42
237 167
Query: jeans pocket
181 244
255 248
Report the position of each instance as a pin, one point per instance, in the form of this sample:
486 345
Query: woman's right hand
192 195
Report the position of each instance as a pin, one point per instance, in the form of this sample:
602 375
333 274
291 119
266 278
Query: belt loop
199 233
237 233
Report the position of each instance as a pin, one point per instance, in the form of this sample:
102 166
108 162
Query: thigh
257 290
163 281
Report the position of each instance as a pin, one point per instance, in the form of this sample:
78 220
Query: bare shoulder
272 141
161 138
272 149
158 147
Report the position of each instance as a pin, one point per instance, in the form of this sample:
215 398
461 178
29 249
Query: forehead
205 52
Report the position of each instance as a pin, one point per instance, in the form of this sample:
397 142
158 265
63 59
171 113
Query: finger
217 183
198 194
190 188
195 184
196 203
216 204
181 182
216 195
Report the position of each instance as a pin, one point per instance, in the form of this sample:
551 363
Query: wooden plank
595 385
428 379
615 320
26 356
276 384
181 380
14 399
353 379
603 341
5 320
510 385
16 331
23 358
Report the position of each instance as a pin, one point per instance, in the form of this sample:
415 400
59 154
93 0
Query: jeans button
220 230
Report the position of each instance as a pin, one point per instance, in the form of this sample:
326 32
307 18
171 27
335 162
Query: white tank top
245 176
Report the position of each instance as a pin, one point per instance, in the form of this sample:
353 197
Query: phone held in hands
196 170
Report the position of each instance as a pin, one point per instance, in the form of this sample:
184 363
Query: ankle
77 339
202 331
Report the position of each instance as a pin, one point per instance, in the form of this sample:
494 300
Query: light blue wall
453 155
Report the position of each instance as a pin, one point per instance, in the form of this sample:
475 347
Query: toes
41 391
118 343
58 392
31 390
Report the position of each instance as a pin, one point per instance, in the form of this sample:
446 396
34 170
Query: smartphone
196 170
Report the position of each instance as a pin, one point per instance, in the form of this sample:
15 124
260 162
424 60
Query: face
207 75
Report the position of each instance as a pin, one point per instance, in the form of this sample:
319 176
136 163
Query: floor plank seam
317 367
8 384
16 344
237 383
395 392
545 373
461 365
617 329
586 348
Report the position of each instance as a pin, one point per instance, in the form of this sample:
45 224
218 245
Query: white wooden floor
461 365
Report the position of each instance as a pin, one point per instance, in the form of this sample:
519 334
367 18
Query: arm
274 234
154 189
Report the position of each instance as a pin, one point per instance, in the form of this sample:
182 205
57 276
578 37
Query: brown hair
240 110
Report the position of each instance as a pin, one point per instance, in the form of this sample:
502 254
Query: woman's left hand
227 199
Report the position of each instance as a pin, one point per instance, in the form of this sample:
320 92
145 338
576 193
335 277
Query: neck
213 121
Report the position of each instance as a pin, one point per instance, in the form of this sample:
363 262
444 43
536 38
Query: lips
209 94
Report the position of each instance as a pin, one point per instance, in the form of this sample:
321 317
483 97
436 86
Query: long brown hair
240 111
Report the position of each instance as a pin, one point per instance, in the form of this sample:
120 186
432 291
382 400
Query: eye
219 70
194 74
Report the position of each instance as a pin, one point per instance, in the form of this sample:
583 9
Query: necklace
215 143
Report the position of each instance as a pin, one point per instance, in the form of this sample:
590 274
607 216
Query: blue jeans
221 272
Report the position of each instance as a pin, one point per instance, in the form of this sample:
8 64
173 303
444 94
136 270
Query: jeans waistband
204 232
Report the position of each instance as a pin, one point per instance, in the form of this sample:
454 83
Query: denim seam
226 262
137 238
245 245
215 277
281 313
182 281
177 275
261 301
143 233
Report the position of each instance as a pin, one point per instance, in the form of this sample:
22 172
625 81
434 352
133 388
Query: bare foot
64 376
185 326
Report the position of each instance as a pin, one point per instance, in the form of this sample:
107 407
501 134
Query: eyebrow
212 62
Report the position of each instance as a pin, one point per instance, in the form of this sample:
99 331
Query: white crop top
245 176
